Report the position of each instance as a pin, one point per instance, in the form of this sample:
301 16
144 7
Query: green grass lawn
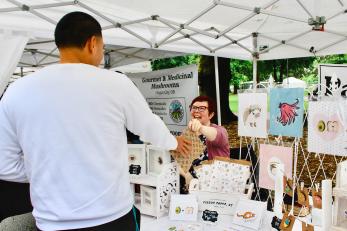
233 102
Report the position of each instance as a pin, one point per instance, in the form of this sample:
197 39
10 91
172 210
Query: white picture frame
137 159
156 159
249 214
183 207
253 115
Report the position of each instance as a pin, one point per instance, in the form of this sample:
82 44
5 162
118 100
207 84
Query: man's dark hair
75 28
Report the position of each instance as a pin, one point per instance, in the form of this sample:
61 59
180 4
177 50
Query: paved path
23 222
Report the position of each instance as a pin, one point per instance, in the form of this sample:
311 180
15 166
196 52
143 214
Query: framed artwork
326 131
270 156
183 207
286 111
249 214
252 115
156 159
137 159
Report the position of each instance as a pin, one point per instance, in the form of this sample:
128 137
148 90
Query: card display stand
156 159
155 190
223 202
340 209
137 159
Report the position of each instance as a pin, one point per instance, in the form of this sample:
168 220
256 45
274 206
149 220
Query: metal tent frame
299 29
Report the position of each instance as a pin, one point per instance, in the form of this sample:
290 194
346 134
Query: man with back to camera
62 129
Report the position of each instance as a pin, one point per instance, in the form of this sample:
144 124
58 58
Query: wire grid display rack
308 167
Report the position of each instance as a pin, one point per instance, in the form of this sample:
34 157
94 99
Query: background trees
234 72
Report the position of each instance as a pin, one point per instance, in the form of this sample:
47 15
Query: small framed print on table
137 159
156 159
249 214
183 207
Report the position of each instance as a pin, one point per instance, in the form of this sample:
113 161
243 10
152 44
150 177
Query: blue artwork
286 111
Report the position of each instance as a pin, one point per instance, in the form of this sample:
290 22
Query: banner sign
333 77
169 93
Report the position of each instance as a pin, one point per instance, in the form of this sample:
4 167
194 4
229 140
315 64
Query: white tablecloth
224 224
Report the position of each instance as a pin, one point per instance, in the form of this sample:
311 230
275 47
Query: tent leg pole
255 59
255 66
217 89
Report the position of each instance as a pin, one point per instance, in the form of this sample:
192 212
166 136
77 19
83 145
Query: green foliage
333 59
159 64
278 68
241 71
310 74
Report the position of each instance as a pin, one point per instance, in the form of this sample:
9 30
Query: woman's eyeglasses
199 109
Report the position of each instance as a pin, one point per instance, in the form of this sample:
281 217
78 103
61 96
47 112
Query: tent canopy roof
267 29
39 52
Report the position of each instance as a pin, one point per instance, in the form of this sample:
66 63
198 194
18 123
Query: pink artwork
326 127
270 156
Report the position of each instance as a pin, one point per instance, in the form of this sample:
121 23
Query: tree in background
206 78
310 74
281 68
178 61
236 72
207 84
241 72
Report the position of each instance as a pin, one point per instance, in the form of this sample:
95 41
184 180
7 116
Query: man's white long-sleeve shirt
62 129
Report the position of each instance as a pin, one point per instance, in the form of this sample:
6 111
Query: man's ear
91 44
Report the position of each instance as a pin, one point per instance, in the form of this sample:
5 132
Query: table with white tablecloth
223 224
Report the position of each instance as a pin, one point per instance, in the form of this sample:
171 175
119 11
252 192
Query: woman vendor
215 137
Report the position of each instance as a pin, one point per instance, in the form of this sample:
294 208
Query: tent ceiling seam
167 37
330 45
136 21
167 22
201 13
40 42
10 9
41 52
251 15
48 55
137 36
304 8
34 12
51 5
183 37
133 54
183 26
116 24
335 33
187 23
343 11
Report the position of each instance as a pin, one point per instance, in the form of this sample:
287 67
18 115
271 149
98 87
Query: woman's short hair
211 103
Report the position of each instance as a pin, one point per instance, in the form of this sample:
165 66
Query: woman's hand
208 131
195 125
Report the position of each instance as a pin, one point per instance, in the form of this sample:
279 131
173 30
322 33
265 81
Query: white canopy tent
291 82
253 30
265 29
42 52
